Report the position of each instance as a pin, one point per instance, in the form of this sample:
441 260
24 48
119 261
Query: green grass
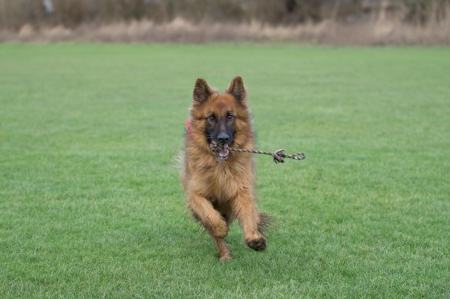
91 205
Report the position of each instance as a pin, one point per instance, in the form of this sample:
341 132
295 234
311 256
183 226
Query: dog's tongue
224 151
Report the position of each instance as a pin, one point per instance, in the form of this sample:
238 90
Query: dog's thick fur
220 186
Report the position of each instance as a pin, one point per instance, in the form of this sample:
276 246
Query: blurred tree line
72 13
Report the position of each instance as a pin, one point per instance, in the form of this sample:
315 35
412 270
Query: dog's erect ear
237 90
202 91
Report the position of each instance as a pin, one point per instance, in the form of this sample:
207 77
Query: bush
72 13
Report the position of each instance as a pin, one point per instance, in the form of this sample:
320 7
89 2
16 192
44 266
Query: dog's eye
230 117
211 118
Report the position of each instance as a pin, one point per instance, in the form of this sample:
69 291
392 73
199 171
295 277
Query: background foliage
72 13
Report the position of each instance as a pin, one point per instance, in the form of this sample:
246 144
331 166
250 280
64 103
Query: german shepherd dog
219 185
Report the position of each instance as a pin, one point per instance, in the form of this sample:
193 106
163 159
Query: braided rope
278 155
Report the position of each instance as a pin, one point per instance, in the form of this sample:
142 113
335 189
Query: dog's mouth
224 152
221 150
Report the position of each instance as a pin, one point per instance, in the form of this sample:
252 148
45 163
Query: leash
278 155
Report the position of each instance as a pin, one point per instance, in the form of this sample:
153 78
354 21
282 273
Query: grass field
91 205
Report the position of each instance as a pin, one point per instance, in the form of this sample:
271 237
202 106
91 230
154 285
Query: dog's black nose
223 138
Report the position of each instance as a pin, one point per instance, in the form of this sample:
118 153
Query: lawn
91 205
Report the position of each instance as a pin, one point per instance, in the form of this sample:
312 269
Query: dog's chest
224 183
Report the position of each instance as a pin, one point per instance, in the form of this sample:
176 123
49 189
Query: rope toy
278 155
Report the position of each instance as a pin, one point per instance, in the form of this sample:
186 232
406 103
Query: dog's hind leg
222 247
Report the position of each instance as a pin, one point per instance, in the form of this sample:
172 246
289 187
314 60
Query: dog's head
220 118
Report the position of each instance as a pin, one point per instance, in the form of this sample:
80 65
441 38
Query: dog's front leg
249 217
205 213
211 219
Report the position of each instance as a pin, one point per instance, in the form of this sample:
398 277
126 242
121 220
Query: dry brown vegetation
350 22
179 30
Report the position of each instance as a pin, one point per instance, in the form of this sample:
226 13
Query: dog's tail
266 222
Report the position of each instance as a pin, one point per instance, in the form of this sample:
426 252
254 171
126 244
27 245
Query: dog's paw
217 226
258 244
220 230
225 258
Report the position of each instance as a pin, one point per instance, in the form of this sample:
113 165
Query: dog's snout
223 138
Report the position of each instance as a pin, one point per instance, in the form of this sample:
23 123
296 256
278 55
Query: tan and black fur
220 186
